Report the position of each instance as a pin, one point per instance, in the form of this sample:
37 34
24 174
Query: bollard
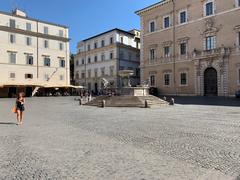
172 101
146 104
103 103
80 102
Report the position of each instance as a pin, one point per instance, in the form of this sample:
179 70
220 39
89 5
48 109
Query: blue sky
85 18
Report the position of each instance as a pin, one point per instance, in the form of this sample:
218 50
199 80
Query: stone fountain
128 96
127 89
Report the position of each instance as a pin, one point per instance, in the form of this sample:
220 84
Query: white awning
63 86
21 84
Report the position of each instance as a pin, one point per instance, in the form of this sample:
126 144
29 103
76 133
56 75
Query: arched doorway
210 82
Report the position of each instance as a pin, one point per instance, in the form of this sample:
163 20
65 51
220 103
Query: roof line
32 19
115 29
150 7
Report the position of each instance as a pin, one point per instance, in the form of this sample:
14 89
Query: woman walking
20 108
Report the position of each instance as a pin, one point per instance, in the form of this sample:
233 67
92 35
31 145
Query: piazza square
68 141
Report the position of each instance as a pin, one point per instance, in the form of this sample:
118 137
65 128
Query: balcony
217 52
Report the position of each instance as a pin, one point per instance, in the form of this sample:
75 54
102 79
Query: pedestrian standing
20 101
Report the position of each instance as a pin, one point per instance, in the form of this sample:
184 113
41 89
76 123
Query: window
96 73
89 60
46 45
62 63
103 57
12 38
103 71
61 77
167 51
77 75
121 39
47 61
89 86
111 55
83 61
28 26
103 43
209 9
12 75
239 37
95 45
89 47
152 80
60 46
28 76
167 79
111 68
12 23
29 59
183 17
183 48
95 58
111 40
152 54
183 78
61 33
89 73
77 63
12 58
45 30
166 22
83 75
137 45
28 41
210 42
152 26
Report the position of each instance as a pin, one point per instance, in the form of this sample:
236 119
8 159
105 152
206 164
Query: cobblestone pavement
61 140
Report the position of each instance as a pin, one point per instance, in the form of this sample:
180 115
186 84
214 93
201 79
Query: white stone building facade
103 55
33 53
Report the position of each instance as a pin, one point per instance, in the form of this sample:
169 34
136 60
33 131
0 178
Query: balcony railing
217 52
196 54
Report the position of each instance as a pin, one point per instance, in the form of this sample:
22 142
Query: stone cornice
35 34
152 7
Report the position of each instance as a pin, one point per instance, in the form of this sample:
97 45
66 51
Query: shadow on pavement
211 101
7 123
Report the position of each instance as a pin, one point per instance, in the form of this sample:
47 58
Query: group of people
19 106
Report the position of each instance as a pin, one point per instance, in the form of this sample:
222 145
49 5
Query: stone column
197 78
142 52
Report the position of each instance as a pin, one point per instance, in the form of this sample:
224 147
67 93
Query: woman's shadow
7 123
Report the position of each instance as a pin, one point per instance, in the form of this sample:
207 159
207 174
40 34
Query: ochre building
191 47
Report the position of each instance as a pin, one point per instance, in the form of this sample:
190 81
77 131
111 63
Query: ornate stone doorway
210 82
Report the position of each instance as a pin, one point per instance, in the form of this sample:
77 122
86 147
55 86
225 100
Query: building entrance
210 82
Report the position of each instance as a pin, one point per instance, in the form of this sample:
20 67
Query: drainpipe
37 54
174 47
118 66
67 63
85 64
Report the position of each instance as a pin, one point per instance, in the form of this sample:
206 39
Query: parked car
237 94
